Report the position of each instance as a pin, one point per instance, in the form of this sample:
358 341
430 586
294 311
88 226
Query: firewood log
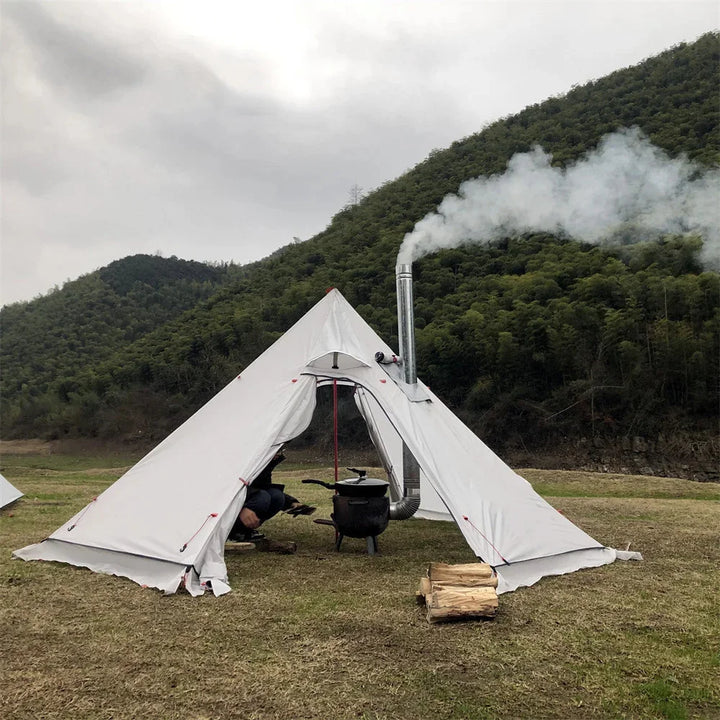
463 574
240 546
456 603
468 582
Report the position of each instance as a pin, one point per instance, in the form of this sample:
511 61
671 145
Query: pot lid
365 481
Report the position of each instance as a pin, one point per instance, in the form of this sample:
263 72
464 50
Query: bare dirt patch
71 446
25 447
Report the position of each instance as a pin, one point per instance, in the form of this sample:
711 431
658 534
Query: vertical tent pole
335 443
335 426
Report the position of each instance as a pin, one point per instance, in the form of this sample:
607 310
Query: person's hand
249 519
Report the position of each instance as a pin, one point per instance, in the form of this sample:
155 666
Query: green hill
531 339
46 343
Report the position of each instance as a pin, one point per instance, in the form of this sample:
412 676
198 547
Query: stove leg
371 544
338 541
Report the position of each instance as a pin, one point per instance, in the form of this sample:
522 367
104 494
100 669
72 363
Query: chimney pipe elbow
405 508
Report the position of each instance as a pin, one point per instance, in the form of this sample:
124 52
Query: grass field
336 636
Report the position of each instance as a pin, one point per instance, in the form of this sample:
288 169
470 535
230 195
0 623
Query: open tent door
389 447
164 523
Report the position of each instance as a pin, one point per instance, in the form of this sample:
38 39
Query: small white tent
164 523
8 493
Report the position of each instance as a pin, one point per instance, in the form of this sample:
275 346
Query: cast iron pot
359 517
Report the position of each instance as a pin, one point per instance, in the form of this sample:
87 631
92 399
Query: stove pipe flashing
410 502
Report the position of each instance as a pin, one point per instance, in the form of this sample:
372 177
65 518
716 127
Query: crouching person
264 500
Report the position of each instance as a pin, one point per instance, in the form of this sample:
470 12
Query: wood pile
282 547
458 592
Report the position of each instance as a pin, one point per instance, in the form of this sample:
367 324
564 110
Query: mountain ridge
528 286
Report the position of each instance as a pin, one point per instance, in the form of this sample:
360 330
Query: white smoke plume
625 186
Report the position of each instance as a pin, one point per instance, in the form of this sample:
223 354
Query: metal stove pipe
410 502
406 321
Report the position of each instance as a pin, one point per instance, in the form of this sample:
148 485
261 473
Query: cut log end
423 591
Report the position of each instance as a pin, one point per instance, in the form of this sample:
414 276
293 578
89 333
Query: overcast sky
222 130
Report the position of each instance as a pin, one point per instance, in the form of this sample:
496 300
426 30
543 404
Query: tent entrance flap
390 449
298 413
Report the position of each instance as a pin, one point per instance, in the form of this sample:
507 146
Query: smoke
627 188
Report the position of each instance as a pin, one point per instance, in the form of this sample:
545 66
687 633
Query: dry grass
333 635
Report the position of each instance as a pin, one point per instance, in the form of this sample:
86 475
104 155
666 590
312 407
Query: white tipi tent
164 523
8 493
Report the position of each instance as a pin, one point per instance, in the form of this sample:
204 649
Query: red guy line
467 519
211 515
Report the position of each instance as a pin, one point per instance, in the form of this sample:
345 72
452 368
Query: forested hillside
531 339
46 342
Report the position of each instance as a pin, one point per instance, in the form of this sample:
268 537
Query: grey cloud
71 59
119 137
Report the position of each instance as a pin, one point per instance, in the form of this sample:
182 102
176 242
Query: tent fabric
388 444
164 522
8 492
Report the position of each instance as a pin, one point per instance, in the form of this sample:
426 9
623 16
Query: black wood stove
361 508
